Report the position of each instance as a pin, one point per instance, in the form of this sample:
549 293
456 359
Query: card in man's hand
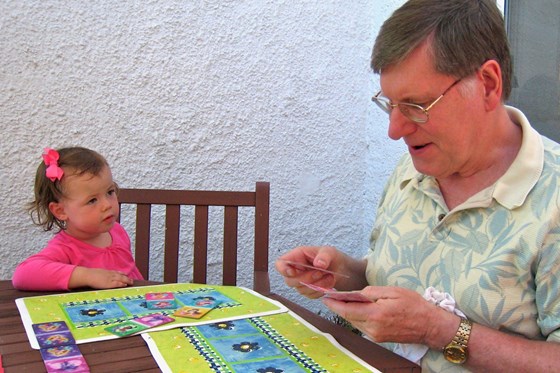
344 296
303 267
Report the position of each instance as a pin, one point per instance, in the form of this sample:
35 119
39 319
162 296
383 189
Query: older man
471 214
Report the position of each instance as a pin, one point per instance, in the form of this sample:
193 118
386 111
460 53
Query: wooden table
132 355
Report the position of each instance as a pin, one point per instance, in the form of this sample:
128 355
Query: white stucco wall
201 95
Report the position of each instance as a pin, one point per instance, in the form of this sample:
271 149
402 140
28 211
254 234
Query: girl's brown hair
76 160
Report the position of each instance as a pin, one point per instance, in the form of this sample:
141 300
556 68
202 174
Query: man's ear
490 74
57 209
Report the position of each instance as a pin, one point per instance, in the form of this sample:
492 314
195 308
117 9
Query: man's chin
425 169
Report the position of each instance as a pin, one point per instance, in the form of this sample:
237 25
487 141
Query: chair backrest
201 200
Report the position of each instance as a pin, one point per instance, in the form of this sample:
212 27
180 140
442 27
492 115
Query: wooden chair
201 200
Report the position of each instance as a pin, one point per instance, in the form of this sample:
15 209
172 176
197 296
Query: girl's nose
105 204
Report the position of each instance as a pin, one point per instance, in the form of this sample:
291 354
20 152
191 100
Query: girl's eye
92 201
111 192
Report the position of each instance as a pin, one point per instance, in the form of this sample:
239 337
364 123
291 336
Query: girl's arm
43 272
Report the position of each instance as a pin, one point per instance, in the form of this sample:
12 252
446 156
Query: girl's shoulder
62 239
119 235
118 229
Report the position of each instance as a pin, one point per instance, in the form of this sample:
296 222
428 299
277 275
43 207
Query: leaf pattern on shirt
501 265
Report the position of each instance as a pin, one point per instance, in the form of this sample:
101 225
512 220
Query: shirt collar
512 188
520 178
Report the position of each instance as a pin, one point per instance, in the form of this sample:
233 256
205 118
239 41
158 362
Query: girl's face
89 206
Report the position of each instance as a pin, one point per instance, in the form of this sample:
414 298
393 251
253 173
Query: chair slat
229 273
171 256
261 281
187 197
142 244
200 244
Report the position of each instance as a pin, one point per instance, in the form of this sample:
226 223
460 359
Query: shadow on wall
539 99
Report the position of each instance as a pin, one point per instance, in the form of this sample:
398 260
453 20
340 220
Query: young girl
75 191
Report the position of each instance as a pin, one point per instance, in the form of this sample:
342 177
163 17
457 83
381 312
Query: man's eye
111 192
92 201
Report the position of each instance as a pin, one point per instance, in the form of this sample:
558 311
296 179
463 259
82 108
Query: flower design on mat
226 325
269 370
92 312
245 347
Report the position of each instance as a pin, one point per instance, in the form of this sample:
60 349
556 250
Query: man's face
448 144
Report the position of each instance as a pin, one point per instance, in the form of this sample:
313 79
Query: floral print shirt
497 254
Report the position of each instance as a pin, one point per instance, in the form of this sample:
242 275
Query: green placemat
266 344
89 313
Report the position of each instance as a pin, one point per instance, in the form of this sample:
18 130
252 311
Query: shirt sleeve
47 270
548 289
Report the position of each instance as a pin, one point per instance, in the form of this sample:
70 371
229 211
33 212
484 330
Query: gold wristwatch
456 351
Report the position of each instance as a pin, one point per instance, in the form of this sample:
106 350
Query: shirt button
441 216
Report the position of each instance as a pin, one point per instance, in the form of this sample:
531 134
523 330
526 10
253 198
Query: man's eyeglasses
414 112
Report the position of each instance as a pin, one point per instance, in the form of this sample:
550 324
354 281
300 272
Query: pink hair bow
50 156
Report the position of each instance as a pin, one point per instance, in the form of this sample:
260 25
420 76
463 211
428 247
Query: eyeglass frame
387 106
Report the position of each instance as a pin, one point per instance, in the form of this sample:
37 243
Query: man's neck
501 148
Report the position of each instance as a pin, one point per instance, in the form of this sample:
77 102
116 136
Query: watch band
463 333
456 350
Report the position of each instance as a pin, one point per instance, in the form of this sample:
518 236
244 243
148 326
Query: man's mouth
418 147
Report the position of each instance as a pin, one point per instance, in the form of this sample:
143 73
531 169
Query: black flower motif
226 325
92 312
245 346
269 370
207 298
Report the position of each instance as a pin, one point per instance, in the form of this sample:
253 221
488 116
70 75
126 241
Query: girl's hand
98 278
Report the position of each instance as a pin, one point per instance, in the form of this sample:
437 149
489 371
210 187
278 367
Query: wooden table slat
31 367
6 339
14 347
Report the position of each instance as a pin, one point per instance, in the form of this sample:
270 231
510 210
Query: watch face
455 354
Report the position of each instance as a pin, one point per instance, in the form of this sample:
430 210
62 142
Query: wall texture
201 95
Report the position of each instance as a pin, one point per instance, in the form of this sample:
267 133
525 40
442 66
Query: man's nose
399 125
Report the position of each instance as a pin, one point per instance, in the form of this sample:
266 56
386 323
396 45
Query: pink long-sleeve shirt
51 268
